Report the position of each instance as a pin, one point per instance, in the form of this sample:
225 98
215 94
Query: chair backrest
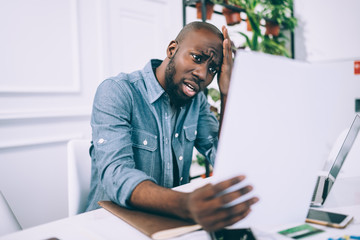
79 175
9 223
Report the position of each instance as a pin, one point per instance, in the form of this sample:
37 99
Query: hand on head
227 63
206 206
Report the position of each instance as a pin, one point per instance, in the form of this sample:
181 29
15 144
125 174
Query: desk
102 225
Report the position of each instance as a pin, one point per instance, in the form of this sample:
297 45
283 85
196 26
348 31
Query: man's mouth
190 88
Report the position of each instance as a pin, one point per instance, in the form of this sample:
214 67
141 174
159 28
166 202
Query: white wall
328 30
55 53
53 56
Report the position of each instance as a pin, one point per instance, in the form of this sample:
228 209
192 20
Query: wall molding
75 86
45 113
39 141
157 1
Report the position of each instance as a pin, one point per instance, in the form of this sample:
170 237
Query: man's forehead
205 41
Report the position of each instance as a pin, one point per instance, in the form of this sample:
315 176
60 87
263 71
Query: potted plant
232 17
278 13
209 9
253 16
275 45
253 20
248 25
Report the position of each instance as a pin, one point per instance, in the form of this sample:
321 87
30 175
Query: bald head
195 26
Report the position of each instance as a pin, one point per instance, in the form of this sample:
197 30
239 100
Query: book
155 226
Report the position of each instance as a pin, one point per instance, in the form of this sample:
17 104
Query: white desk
102 225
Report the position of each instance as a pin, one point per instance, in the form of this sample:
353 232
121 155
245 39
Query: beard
174 90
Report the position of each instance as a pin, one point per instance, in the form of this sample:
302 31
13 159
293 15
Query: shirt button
145 142
181 158
181 179
176 135
195 132
101 140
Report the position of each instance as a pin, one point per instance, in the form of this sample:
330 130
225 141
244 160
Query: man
145 125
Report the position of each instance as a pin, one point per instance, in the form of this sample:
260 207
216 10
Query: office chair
9 223
79 175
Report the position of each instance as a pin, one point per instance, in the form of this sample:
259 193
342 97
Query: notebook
155 226
325 182
274 131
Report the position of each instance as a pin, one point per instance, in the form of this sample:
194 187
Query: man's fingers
226 51
231 196
227 38
228 222
225 32
214 201
231 215
228 216
219 187
206 204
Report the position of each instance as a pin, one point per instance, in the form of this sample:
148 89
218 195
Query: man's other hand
206 205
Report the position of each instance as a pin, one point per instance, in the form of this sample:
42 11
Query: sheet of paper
276 131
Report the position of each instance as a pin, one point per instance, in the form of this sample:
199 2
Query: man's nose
201 72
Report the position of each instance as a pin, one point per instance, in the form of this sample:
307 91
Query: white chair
9 223
79 175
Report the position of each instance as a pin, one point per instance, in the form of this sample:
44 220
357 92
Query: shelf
192 3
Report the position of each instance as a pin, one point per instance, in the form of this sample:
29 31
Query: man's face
193 66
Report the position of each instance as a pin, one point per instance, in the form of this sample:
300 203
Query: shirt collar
153 87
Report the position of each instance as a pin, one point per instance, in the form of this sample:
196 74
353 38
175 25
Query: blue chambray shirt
132 138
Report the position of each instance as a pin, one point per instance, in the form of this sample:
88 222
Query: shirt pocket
190 132
145 147
144 140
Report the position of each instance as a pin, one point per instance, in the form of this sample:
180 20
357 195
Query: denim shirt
132 138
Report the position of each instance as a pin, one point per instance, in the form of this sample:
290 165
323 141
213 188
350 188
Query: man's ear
171 49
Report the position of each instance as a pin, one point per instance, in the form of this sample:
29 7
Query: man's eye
197 58
212 70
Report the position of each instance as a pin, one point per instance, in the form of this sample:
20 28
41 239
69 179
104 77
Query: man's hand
227 64
206 207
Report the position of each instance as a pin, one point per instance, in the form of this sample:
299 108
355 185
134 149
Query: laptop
276 131
9 223
325 182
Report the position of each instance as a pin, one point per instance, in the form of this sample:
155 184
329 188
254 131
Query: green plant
200 159
275 45
215 96
279 12
253 42
276 11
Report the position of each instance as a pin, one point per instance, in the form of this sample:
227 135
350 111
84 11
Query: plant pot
248 25
231 17
272 28
209 10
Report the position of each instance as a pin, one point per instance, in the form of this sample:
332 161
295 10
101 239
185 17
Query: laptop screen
345 148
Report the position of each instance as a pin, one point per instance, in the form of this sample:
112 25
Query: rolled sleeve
113 162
